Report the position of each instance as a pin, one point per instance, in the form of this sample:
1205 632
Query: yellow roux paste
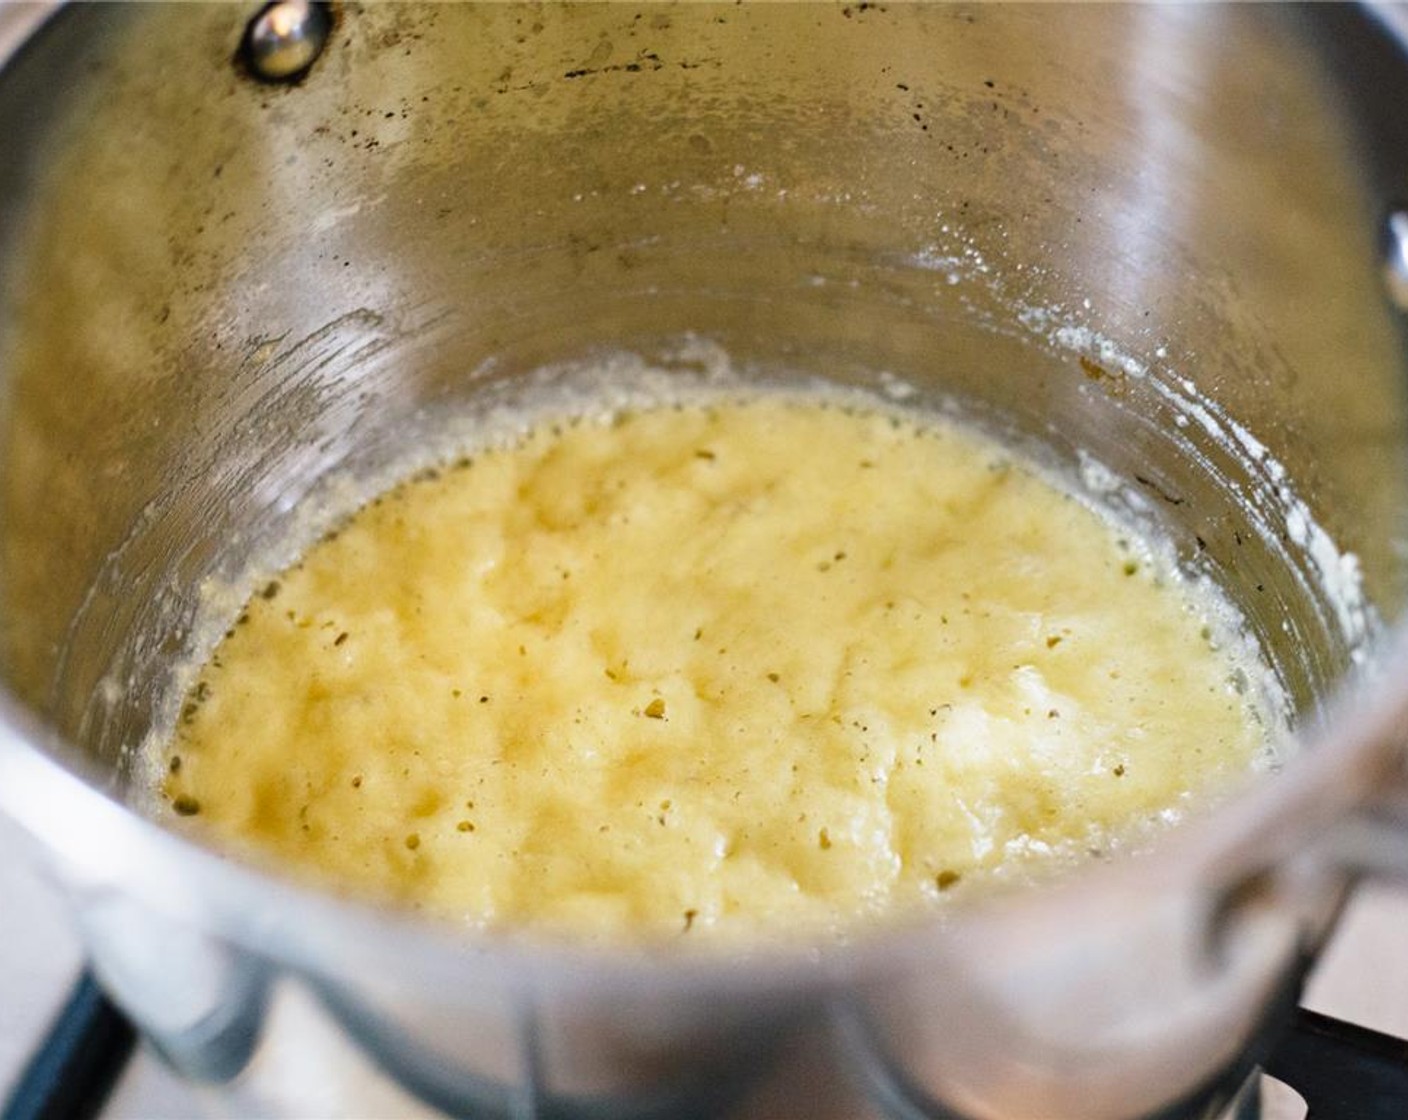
758 667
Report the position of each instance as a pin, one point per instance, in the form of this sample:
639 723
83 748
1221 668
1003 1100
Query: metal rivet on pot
1396 257
285 38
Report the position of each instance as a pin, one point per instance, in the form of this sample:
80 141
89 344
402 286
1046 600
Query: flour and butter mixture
752 667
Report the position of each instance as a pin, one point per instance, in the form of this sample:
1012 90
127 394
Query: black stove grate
1343 1071
78 1061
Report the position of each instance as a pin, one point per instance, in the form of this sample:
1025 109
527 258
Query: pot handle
1373 842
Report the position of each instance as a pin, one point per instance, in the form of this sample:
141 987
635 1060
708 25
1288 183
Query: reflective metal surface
1144 233
285 39
1396 258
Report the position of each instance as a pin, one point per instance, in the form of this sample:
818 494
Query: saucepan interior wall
1132 232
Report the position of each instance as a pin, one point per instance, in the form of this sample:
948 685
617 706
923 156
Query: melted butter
756 668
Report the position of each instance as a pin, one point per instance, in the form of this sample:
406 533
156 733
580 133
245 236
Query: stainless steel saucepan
240 259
